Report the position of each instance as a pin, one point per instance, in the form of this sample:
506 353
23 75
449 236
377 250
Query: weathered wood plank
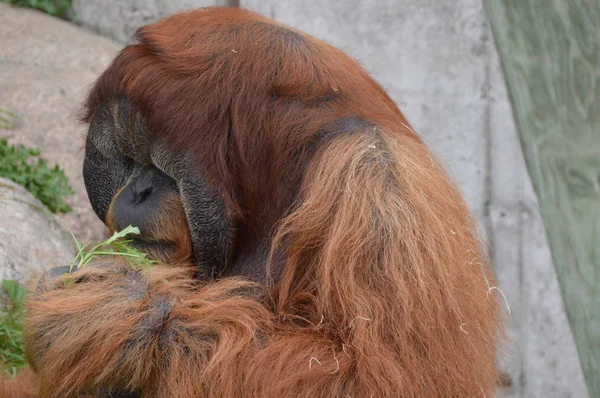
550 51
550 361
540 356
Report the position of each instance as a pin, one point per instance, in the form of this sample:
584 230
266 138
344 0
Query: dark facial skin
143 195
132 179
105 168
139 201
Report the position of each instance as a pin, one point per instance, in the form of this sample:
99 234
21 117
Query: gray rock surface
31 239
46 66
120 19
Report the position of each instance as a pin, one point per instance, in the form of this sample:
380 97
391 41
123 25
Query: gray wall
438 61
119 19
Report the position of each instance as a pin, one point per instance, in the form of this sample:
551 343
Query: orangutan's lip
151 247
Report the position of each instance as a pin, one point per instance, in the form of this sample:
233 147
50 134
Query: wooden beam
550 52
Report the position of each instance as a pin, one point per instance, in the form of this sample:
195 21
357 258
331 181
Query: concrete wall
119 19
438 61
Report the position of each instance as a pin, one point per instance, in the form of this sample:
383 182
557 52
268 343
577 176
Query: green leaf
52 7
15 292
12 346
116 245
24 166
122 234
8 120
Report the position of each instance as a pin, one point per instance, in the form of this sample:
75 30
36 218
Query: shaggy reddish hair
377 285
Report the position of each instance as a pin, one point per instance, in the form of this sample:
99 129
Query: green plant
12 347
57 8
8 120
116 245
25 167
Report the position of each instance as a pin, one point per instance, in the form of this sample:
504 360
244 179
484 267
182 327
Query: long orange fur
377 284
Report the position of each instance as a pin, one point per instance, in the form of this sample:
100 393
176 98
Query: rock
46 66
31 239
120 19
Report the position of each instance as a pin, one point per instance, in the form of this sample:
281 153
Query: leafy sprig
116 245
